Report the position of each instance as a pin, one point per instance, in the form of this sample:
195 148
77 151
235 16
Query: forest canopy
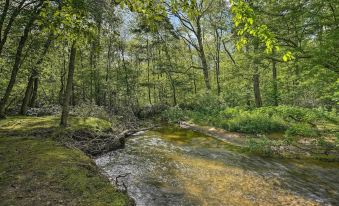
133 53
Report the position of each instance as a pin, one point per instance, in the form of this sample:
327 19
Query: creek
174 166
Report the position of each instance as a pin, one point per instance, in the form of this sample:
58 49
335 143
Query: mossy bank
38 170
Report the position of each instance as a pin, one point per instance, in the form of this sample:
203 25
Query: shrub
300 121
254 124
261 146
299 114
254 121
304 130
174 114
204 103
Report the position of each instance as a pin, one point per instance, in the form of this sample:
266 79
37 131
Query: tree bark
107 93
92 65
275 84
174 92
217 60
229 53
28 94
10 24
17 61
193 73
34 92
32 86
168 73
83 77
197 31
3 16
148 74
62 81
256 87
202 55
68 91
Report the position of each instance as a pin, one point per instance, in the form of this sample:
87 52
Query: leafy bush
204 103
254 124
255 121
208 109
294 120
298 114
262 146
302 130
174 114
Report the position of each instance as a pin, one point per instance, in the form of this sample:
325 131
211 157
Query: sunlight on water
173 166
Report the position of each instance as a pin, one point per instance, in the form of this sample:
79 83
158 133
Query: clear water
174 166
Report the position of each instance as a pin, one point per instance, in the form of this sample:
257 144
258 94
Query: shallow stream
174 166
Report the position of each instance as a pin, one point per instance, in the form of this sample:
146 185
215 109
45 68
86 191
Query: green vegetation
37 170
293 120
275 127
26 125
266 69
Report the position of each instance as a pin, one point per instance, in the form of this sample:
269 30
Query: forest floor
35 169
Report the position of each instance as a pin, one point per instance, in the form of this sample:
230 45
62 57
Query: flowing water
174 166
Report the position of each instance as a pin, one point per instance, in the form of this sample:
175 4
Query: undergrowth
316 128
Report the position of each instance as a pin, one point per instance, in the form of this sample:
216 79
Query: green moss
23 125
89 123
35 171
304 130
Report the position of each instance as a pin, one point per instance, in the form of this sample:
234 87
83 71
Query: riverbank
243 143
37 169
283 131
175 166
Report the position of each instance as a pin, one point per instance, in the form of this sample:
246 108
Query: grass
301 131
24 124
39 171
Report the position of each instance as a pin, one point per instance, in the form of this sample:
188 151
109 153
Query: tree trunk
256 87
193 73
126 78
62 81
107 93
3 16
228 53
148 74
275 84
68 91
92 65
174 95
28 94
29 99
34 92
10 24
202 55
217 60
83 77
205 69
73 97
17 62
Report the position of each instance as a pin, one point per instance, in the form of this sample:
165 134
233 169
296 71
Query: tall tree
18 56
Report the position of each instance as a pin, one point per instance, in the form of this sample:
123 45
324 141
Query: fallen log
95 144
130 132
